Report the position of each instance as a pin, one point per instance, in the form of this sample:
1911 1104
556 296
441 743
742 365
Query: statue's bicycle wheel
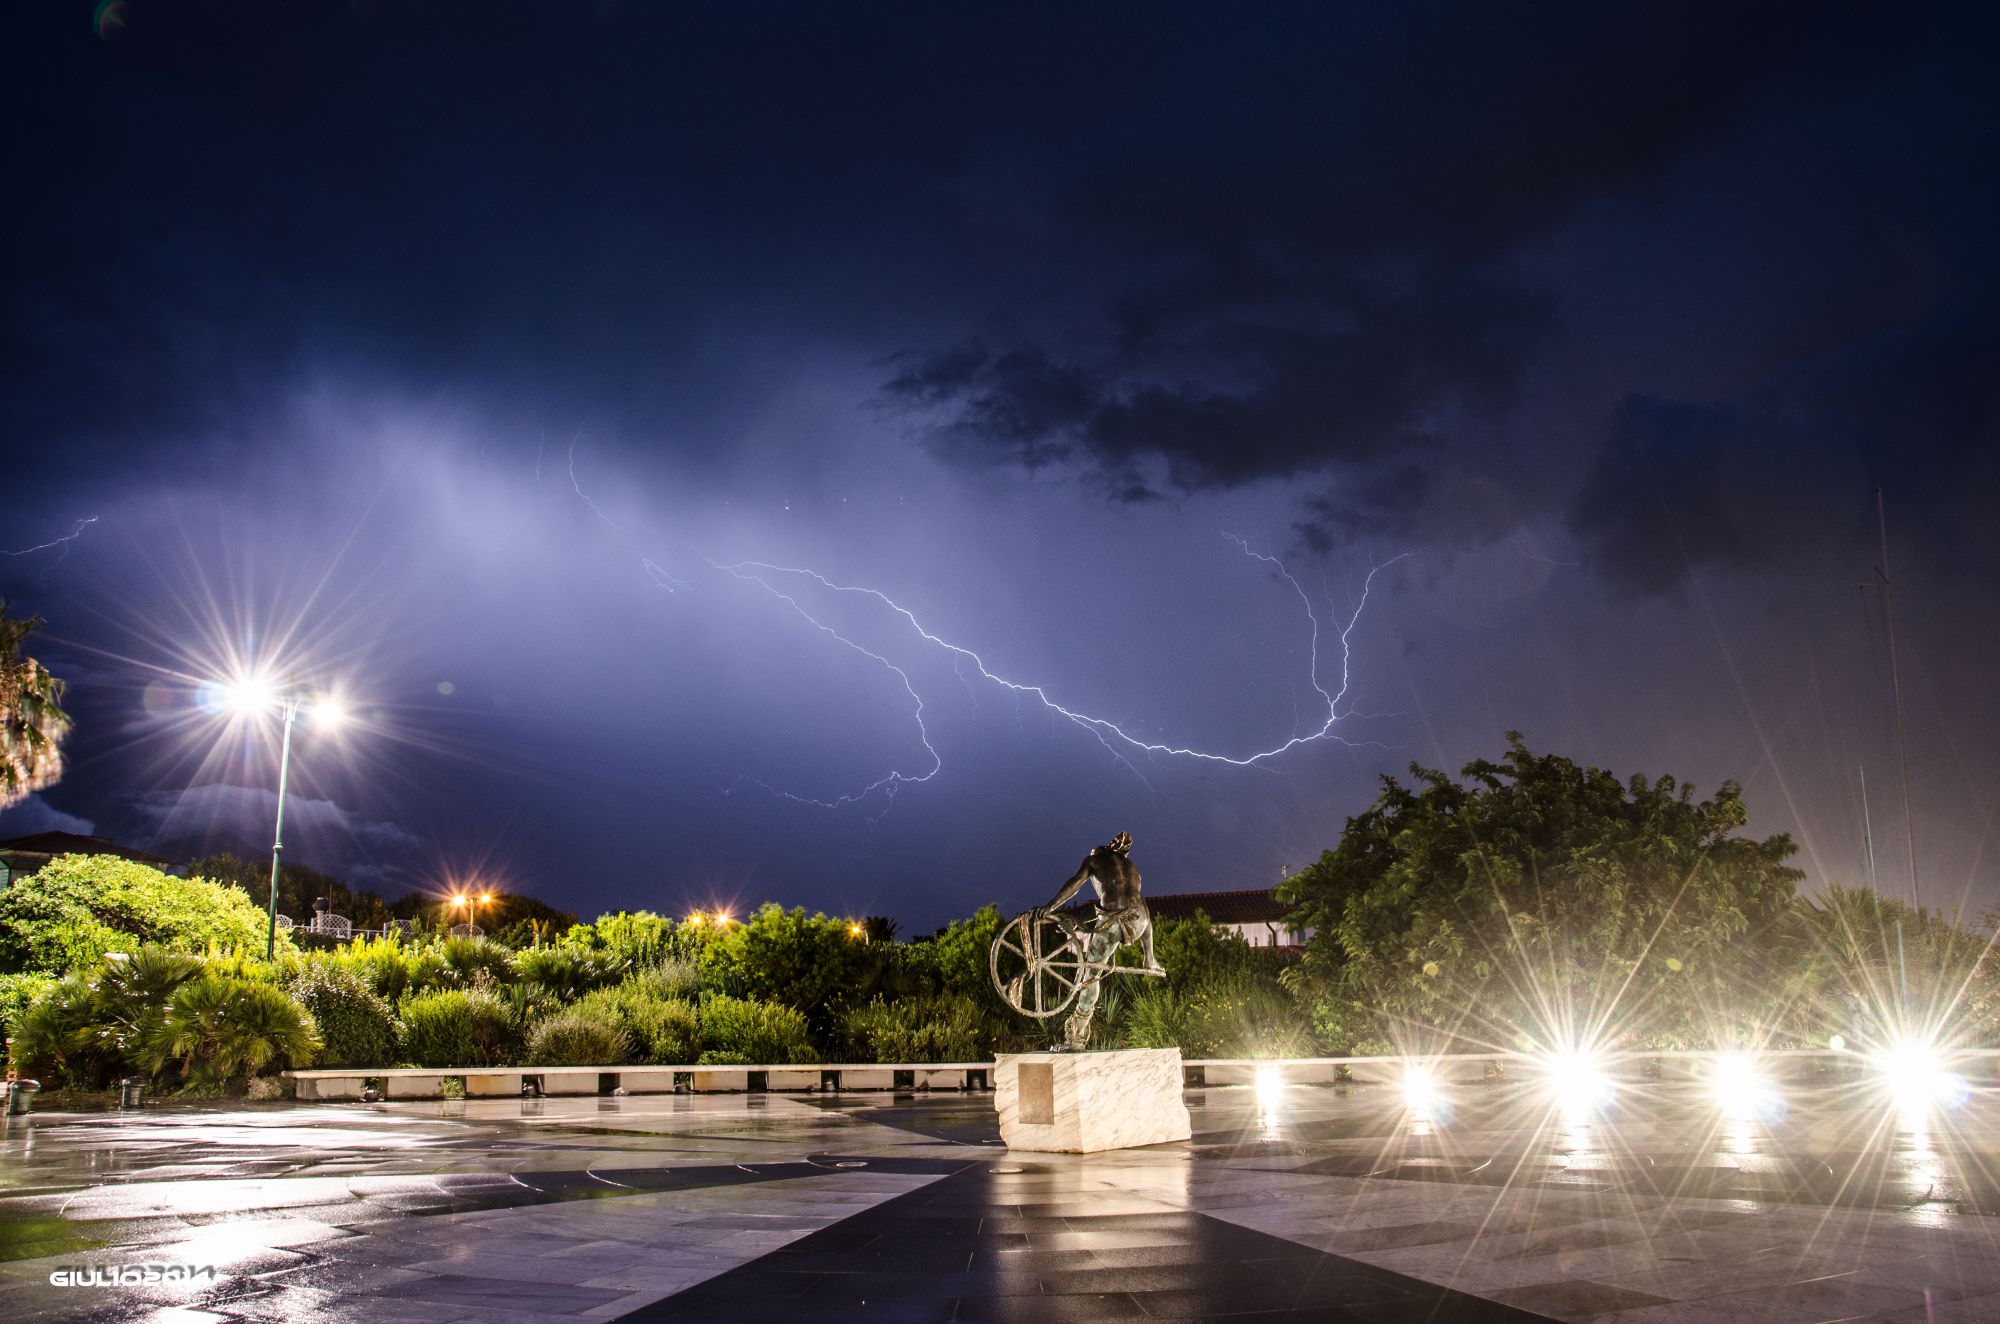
1035 966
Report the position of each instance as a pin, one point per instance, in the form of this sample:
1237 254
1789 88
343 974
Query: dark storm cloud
1914 405
1320 275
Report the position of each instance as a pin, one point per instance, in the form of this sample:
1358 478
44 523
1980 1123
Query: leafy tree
298 887
32 722
957 954
1872 970
1542 903
805 961
77 907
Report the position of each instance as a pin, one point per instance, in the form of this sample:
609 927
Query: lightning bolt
62 542
1120 743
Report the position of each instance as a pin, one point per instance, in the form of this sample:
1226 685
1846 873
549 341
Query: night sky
474 358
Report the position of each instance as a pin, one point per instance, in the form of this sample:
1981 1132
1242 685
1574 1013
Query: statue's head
1120 844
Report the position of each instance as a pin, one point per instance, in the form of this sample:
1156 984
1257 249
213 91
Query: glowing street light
253 695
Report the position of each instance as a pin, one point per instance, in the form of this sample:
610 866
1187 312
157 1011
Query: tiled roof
1254 906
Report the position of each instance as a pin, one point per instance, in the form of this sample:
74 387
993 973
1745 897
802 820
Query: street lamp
253 696
471 903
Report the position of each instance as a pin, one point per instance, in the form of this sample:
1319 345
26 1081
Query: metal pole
1868 833
1896 687
278 832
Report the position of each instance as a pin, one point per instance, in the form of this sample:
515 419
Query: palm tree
32 726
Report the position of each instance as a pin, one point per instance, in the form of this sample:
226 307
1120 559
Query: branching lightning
776 580
62 542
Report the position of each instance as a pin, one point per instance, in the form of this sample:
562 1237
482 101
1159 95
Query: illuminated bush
578 1037
456 1027
357 1026
663 1029
948 1028
746 1030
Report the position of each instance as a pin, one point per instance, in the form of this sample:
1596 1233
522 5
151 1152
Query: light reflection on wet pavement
681 1206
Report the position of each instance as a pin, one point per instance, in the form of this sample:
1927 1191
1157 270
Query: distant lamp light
855 931
486 898
696 918
328 712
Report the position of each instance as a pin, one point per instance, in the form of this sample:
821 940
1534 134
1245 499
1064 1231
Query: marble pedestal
1079 1103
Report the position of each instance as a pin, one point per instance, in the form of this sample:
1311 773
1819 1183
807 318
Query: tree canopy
1541 903
32 722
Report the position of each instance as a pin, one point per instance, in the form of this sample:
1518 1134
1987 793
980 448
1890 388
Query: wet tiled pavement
1314 1204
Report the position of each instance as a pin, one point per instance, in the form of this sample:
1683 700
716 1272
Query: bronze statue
1044 961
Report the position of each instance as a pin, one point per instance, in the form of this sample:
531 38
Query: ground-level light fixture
1918 1080
1421 1094
1578 1082
1742 1087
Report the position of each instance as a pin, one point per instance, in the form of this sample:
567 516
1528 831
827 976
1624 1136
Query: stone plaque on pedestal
1079 1103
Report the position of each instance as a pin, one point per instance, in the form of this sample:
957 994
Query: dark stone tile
1571 1297
1081 1308
1400 1235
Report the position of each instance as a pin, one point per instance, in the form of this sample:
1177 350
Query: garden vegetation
1532 903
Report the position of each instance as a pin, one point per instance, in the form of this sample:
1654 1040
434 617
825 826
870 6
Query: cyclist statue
1121 918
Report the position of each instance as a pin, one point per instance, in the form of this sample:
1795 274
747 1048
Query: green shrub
664 1029
562 974
465 959
456 1027
757 1032
17 994
383 964
59 1038
633 940
948 1028
1227 1016
575 1037
357 1026
76 907
217 1031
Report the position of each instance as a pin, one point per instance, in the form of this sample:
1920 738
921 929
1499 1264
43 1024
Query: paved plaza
1310 1203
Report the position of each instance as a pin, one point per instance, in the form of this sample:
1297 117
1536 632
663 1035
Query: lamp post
252 697
278 830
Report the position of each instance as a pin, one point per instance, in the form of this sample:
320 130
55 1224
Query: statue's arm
1069 889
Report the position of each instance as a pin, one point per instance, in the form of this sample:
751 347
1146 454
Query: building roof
71 843
1251 906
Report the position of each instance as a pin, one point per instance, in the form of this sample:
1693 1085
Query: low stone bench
403 1083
